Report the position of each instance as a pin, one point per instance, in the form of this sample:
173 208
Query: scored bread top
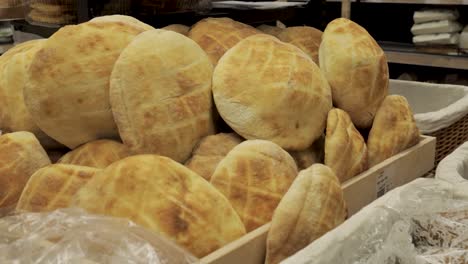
308 39
68 87
267 89
217 35
166 197
96 154
356 68
161 97
53 187
254 176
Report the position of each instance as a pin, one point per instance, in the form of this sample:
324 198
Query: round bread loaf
164 196
217 35
161 97
14 115
356 68
67 92
267 89
270 30
182 29
123 19
254 176
210 151
53 187
21 155
96 154
306 38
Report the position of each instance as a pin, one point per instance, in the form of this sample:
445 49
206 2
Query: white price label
384 184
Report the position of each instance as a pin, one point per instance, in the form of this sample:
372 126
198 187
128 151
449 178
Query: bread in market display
210 151
182 29
53 9
356 68
21 155
276 93
254 176
313 154
67 91
312 206
345 148
96 154
123 19
14 115
164 109
394 130
59 19
270 30
306 38
217 35
166 197
53 187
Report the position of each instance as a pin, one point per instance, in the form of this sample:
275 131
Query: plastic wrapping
72 236
454 169
421 222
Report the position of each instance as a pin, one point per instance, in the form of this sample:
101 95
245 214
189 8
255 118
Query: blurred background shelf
422 2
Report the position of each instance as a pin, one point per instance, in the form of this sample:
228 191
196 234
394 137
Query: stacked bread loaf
52 12
140 108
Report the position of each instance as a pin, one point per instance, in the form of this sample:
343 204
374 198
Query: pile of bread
141 110
54 12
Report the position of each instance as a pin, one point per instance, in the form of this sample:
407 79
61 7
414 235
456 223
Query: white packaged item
454 169
437 39
418 223
435 106
73 236
435 15
443 26
464 39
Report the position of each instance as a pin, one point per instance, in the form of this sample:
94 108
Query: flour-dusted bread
97 154
210 151
270 30
182 29
393 131
68 87
345 148
161 97
166 197
313 154
254 176
123 19
267 89
306 38
356 68
14 115
312 206
53 187
21 155
217 35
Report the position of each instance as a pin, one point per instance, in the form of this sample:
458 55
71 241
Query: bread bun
356 68
181 29
306 38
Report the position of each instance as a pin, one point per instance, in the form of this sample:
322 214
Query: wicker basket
440 110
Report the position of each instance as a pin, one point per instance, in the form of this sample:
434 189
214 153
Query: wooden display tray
358 191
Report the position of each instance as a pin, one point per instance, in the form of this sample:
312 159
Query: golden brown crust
53 187
164 196
312 206
270 30
345 148
267 89
217 35
306 38
123 19
21 155
164 109
67 92
393 131
96 154
210 151
314 154
254 176
356 68
181 29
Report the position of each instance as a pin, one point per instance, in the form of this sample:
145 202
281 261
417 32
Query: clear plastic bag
73 236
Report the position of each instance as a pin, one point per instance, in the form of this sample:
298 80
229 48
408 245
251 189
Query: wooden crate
358 191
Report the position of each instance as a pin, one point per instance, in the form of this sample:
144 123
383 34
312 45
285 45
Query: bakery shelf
408 54
422 2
